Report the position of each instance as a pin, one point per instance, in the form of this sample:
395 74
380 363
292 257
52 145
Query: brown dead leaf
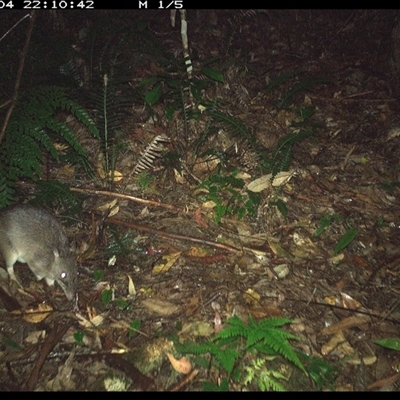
108 206
131 287
349 303
63 381
160 307
92 321
252 297
181 366
196 329
199 219
197 252
37 315
277 249
180 177
384 382
191 305
264 182
115 175
35 337
67 170
345 324
170 261
337 339
217 322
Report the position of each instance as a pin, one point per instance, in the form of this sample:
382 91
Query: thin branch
19 75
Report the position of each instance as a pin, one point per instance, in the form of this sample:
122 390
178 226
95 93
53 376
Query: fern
282 155
265 336
7 187
32 128
224 355
300 87
267 379
281 79
235 127
53 192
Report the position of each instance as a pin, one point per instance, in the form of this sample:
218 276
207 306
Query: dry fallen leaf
115 175
131 287
170 261
337 339
345 324
35 337
93 321
107 206
195 329
63 381
349 303
160 307
67 170
264 182
252 297
37 315
182 365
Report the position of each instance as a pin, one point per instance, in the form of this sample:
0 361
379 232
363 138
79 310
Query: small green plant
134 327
325 222
389 343
107 296
390 186
145 180
321 372
281 206
78 336
123 245
229 198
345 240
122 304
281 156
381 223
303 85
264 338
98 275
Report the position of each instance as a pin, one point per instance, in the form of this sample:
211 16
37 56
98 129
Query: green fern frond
22 156
282 155
272 322
304 85
264 336
31 129
281 160
42 137
53 192
7 188
235 128
281 79
266 379
225 355
82 115
235 328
